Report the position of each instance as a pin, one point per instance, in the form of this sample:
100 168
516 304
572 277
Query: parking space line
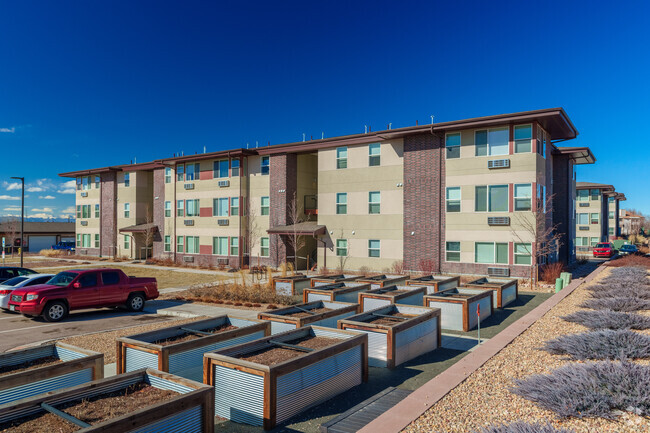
28 328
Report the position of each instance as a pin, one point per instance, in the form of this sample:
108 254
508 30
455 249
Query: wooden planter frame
343 292
333 279
259 383
162 354
192 395
384 338
383 296
296 284
383 280
502 289
75 371
435 282
468 305
283 323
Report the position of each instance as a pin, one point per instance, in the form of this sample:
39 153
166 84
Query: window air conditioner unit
84 223
84 194
498 272
224 183
188 222
188 186
498 221
223 222
222 261
499 163
584 204
585 228
189 259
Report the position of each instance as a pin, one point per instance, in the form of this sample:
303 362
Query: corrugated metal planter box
435 282
262 395
281 321
408 295
504 290
378 281
331 279
185 358
291 286
78 366
459 307
392 345
189 412
342 292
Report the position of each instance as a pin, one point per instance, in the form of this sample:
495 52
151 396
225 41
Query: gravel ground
483 399
104 342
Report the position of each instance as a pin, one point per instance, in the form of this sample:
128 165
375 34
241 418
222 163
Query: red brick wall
159 211
108 222
481 269
283 185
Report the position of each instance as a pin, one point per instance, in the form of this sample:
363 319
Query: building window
78 211
127 242
611 214
127 179
265 205
179 244
168 244
452 143
341 247
493 198
453 199
611 200
192 171
582 242
480 198
96 211
594 241
595 194
523 254
341 203
168 175
265 165
491 253
180 173
523 138
234 206
168 209
86 240
180 208
192 244
220 169
374 154
78 184
78 240
374 248
234 165
583 219
341 157
220 246
523 197
611 231
264 247
583 195
96 240
97 182
541 141
85 183
453 251
594 218
492 142
234 246
86 211
127 210
192 208
220 207
374 202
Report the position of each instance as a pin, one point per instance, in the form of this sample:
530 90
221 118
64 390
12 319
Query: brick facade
283 186
108 209
159 211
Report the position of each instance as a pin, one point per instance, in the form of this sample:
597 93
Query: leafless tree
252 231
343 260
149 232
295 241
12 230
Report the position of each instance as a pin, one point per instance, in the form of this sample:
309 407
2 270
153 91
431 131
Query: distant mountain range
39 220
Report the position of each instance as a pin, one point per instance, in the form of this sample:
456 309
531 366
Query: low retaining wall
459 307
281 321
380 297
504 290
435 282
342 292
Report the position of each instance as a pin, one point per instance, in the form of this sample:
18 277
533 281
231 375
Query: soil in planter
190 336
275 354
376 320
312 312
24 366
92 411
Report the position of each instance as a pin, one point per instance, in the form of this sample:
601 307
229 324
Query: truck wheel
135 302
55 311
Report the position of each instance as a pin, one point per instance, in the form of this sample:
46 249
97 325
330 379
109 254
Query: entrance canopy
140 228
307 228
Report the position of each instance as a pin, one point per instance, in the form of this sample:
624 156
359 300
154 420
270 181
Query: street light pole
22 220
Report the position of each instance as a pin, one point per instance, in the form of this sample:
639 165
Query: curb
423 398
183 314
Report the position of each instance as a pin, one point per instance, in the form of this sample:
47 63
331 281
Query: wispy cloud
68 187
8 197
35 189
13 186
11 209
46 197
45 209
8 130
70 210
41 215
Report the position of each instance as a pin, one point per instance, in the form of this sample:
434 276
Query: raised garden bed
28 372
342 292
140 401
378 281
459 307
331 279
321 313
435 283
285 384
179 349
291 286
380 297
504 289
397 333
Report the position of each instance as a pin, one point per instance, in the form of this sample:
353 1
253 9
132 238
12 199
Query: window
78 184
234 246
523 138
97 182
127 210
583 218
498 198
180 173
523 254
595 194
86 240
220 207
180 208
594 218
583 195
492 142
88 280
480 198
374 247
453 199
452 143
96 240
490 252
168 175
220 246
594 241
179 244
168 244
341 203
265 165
374 154
582 242
374 202
541 141
86 211
264 247
85 183
78 211
168 209
611 214
96 211
234 206
265 205
192 171
220 169
341 157
234 164
523 197
611 231
192 244
192 208
127 243
611 200
453 252
341 247
78 240
110 278
127 179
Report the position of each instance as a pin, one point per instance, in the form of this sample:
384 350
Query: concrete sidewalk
189 310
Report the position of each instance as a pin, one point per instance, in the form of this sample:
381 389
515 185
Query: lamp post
22 220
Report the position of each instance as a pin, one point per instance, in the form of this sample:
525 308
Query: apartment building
458 196
629 222
597 213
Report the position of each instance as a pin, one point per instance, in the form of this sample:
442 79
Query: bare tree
295 241
12 231
149 232
252 231
343 259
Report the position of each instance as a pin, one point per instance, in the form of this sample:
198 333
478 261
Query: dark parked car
7 272
628 249
64 245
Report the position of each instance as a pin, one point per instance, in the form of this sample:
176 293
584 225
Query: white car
16 282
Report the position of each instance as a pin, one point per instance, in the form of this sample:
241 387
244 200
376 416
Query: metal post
22 220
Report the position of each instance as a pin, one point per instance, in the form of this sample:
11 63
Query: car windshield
14 281
602 246
63 278
628 247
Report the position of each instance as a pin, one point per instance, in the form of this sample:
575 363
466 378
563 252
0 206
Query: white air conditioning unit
223 222
583 228
84 194
584 204
499 163
498 221
188 186
188 222
498 272
222 261
188 259
223 183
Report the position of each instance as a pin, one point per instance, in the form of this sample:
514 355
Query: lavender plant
617 304
523 427
608 319
605 344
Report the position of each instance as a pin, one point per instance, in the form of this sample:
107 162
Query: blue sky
88 84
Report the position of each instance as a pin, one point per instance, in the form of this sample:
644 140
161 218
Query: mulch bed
387 320
92 411
312 312
40 362
276 355
190 336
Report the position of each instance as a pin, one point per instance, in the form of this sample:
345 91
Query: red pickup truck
79 289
